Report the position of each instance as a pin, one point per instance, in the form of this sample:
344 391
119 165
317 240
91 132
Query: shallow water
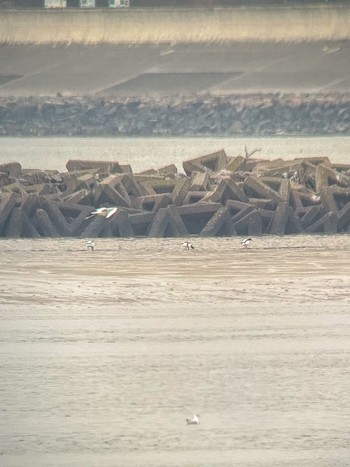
146 153
103 354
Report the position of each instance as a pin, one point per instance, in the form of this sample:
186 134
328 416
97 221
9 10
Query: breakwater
216 195
258 115
186 25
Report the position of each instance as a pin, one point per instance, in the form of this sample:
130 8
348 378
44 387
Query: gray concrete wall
177 26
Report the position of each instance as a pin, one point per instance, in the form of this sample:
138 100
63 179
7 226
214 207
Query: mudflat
105 353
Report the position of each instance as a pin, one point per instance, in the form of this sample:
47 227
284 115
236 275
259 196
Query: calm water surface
146 153
104 354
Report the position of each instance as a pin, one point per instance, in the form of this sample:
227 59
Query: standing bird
104 212
246 242
90 245
188 245
194 420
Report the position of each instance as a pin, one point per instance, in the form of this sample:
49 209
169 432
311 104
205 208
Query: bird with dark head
246 242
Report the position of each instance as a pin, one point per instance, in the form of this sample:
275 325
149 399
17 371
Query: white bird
246 242
194 420
104 212
90 245
188 245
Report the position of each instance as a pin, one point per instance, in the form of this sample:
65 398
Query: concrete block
30 203
327 198
57 218
235 207
280 186
107 167
227 190
12 169
181 188
293 223
315 161
325 177
15 188
42 189
160 225
235 163
196 216
257 188
14 224
279 222
4 179
250 224
209 163
311 214
7 203
153 202
121 225
94 227
344 217
126 168
106 194
74 215
43 224
37 177
261 203
239 215
266 219
200 182
141 223
195 197
28 229
167 170
132 187
167 223
148 172
112 191
79 197
156 185
107 231
328 224
219 225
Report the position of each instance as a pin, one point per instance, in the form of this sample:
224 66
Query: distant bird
188 245
104 212
90 245
194 420
246 242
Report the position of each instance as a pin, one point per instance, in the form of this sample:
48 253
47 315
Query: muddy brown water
103 354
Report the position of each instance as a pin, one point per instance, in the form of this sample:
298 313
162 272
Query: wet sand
105 353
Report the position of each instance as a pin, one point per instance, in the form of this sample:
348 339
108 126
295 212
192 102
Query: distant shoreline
239 115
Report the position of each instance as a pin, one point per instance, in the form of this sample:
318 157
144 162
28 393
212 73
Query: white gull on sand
194 420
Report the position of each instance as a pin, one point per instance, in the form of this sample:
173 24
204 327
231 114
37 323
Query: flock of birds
109 212
90 244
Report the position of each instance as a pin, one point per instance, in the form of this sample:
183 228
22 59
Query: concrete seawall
215 25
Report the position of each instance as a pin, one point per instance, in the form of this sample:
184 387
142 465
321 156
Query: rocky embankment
215 196
273 114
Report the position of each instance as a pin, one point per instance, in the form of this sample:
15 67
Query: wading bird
246 242
188 245
90 245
